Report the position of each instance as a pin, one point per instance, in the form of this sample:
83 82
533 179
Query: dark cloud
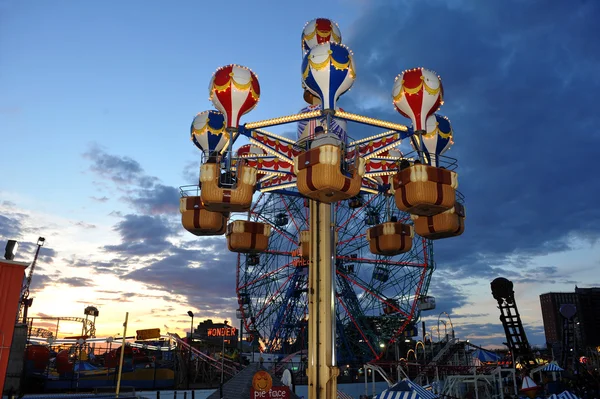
76 281
26 253
524 134
206 276
39 282
11 226
121 170
143 235
143 192
157 200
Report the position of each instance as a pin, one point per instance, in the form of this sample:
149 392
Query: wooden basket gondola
425 190
218 198
390 238
305 243
247 237
199 221
447 224
320 177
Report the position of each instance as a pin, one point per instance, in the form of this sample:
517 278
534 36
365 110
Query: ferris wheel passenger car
390 238
425 190
450 223
320 176
233 195
199 221
247 237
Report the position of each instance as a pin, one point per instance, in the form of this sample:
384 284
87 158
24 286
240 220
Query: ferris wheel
377 296
361 210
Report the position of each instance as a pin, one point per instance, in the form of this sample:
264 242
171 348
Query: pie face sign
262 381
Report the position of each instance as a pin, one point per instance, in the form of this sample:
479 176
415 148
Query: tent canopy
406 389
486 356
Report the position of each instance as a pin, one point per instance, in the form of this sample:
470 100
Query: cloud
39 282
205 275
509 82
142 235
157 200
76 281
100 199
11 225
143 192
119 169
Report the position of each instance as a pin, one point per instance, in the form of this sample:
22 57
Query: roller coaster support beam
322 369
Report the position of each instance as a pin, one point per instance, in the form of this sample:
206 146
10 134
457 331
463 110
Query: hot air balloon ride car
425 190
320 176
450 223
234 90
304 248
305 244
199 221
247 237
390 238
227 192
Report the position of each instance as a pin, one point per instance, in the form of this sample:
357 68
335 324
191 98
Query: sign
273 393
262 381
152 333
222 332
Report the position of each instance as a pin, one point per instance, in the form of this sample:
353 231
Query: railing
434 362
227 366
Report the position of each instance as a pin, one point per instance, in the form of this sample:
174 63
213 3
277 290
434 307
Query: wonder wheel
378 297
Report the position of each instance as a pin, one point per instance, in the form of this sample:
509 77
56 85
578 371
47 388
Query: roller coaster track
88 324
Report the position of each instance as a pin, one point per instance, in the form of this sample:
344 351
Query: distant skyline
96 99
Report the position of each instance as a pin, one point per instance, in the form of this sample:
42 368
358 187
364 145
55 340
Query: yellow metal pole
322 369
122 353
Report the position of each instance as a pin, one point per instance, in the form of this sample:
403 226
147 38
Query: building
589 305
587 318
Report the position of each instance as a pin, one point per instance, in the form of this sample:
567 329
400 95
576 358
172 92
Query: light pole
191 314
191 326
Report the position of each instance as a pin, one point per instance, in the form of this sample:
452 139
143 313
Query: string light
388 133
276 136
370 121
281 187
270 151
283 119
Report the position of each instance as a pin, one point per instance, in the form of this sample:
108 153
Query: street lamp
192 325
11 249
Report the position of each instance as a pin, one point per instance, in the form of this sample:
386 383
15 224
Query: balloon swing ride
333 235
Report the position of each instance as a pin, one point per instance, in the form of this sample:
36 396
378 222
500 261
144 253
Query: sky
96 99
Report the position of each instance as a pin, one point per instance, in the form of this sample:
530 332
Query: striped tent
567 395
406 389
343 395
552 367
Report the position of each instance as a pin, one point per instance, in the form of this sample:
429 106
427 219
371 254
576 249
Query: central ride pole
322 368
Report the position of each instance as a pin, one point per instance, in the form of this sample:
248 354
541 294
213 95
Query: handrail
227 368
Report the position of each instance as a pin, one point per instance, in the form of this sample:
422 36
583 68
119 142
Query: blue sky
96 99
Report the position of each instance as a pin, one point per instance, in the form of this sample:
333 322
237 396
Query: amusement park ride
335 248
